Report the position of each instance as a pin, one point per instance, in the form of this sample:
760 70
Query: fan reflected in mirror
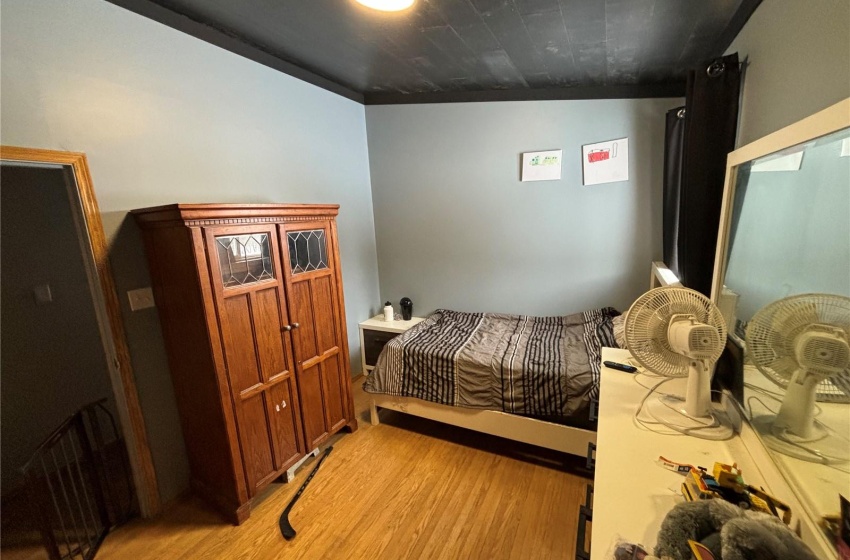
799 343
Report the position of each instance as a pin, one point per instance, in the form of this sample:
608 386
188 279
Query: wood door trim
241 290
236 214
218 297
264 386
312 275
215 334
265 480
288 283
138 446
252 391
222 230
332 272
220 294
321 358
343 329
252 304
278 378
323 224
338 426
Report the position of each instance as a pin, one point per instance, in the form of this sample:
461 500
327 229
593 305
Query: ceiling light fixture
387 5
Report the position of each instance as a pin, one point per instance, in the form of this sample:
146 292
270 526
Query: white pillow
620 330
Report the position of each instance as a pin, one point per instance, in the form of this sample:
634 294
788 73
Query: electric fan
678 332
798 343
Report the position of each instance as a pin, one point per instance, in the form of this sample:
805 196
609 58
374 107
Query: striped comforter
533 366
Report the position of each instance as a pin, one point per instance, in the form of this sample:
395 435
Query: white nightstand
375 333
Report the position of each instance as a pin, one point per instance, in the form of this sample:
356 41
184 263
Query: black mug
406 308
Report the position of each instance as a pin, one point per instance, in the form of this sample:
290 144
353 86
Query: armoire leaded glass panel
307 250
244 259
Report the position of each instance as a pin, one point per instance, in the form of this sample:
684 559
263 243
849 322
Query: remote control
621 367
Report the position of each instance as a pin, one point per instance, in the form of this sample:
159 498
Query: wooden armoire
250 301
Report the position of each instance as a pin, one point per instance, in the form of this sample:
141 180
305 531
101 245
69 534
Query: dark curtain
674 137
711 118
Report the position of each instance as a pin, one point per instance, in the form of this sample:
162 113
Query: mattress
542 367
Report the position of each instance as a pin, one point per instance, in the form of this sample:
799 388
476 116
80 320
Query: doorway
63 344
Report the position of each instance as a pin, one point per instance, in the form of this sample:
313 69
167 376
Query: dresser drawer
373 343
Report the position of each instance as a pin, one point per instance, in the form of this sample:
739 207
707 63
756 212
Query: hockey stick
285 528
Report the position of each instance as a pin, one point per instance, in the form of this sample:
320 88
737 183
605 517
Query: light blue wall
798 63
164 118
456 228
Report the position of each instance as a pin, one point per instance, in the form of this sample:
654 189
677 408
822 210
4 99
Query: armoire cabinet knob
286 328
295 325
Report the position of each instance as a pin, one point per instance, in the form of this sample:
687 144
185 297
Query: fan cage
772 332
647 322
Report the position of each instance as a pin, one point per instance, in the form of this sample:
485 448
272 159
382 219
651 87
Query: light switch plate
140 299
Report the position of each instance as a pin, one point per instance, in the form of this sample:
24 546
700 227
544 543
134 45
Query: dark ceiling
456 50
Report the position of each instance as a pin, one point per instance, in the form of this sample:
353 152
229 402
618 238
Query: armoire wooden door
250 301
312 290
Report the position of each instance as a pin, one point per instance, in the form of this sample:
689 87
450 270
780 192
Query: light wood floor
408 488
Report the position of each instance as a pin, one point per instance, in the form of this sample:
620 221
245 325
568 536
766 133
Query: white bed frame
575 441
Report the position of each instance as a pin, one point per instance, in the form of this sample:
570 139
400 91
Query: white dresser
631 493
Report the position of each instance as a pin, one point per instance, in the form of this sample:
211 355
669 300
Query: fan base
821 447
670 411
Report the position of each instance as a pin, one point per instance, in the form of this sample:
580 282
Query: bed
530 379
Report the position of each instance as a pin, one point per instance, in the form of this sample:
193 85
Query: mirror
790 226
785 231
